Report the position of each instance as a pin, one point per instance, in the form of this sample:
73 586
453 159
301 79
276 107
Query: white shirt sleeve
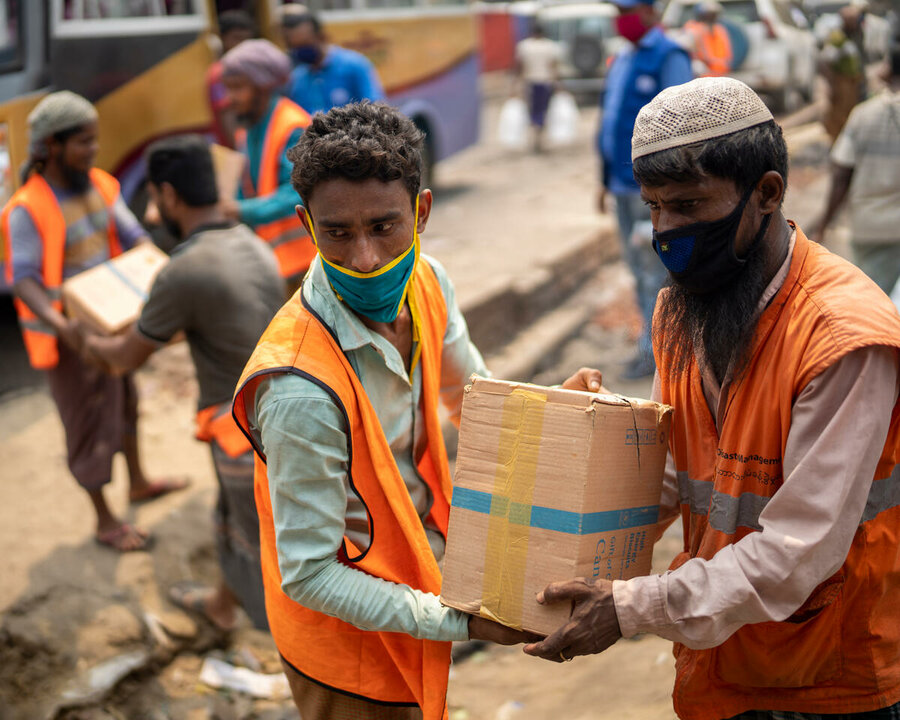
839 424
844 150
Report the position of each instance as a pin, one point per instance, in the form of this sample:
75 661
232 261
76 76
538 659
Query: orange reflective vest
840 651
217 423
38 199
712 46
383 667
287 236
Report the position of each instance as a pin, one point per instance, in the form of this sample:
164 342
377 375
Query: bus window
104 9
10 36
390 3
120 18
319 5
98 46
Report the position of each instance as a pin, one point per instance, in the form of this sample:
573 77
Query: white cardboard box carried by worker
109 297
550 485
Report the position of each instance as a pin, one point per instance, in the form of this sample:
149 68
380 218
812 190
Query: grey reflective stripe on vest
289 236
883 495
728 513
694 493
37 325
54 293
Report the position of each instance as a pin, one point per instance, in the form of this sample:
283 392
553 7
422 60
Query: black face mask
700 257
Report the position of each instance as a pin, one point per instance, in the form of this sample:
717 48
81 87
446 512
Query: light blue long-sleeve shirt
264 209
304 436
345 76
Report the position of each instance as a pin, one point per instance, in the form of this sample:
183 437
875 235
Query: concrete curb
499 313
517 326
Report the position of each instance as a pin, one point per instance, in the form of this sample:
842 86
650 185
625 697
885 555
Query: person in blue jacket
324 75
651 62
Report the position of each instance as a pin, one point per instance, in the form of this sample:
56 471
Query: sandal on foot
157 488
191 595
118 538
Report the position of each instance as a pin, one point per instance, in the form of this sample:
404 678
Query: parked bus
143 64
426 54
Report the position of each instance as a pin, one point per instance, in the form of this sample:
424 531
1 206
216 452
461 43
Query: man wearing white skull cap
68 217
781 362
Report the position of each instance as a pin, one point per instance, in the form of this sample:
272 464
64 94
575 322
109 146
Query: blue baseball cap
629 4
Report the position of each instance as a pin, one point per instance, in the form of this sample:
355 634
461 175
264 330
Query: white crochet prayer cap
699 110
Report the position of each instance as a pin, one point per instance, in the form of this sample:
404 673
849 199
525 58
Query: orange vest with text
38 199
712 46
287 236
840 651
383 667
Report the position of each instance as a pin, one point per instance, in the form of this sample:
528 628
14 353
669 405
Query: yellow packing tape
507 546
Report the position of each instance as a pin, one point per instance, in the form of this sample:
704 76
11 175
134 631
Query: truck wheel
587 55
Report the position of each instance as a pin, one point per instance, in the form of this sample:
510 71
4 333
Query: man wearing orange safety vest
68 217
340 400
711 41
781 362
253 72
221 288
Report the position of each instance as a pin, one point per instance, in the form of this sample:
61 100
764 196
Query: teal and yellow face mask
380 294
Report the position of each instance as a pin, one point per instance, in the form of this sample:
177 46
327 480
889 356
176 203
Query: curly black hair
357 142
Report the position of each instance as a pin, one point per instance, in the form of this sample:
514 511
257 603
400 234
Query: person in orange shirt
711 42
782 363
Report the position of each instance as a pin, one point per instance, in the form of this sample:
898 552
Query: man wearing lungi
68 217
221 288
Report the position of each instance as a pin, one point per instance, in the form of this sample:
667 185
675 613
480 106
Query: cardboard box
228 166
108 298
550 485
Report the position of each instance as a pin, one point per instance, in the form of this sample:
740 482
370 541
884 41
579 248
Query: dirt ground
76 618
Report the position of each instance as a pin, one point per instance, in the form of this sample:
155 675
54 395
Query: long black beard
722 323
77 180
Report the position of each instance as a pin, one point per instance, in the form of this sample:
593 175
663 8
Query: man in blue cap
651 62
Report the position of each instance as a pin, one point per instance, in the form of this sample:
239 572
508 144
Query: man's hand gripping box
550 485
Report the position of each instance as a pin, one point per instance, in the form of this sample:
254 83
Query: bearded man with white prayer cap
67 217
781 362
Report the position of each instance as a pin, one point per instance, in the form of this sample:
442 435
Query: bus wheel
427 153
